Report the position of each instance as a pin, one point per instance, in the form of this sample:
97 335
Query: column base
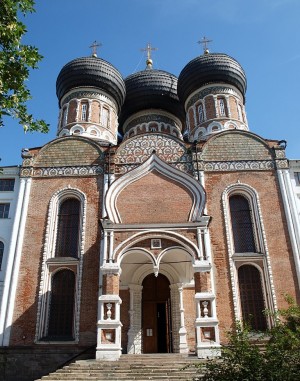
205 351
108 354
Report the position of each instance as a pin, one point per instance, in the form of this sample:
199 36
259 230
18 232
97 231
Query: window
68 229
104 117
7 185
64 117
242 227
201 113
251 296
61 316
84 112
1 253
4 210
222 109
240 112
297 177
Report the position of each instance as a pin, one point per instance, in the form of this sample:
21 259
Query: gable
235 146
69 151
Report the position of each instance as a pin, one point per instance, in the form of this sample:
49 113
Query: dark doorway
156 316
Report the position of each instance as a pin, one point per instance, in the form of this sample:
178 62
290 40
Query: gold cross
94 47
204 41
148 49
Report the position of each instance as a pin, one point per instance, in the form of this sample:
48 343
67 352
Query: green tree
16 60
243 360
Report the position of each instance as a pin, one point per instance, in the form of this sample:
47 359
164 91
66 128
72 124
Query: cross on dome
149 49
204 41
94 47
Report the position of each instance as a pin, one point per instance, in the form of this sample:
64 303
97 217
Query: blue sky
263 35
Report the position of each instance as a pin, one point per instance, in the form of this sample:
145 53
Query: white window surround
201 112
49 252
262 253
221 105
84 110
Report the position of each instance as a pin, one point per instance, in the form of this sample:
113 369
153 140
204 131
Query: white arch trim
155 163
187 245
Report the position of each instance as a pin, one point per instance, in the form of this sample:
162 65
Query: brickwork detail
136 151
62 171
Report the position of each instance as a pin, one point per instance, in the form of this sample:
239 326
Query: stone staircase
130 367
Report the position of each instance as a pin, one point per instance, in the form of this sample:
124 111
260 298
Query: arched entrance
156 315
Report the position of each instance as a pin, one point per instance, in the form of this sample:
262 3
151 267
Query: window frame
6 209
53 338
237 235
260 258
201 115
50 264
102 119
2 247
84 112
11 181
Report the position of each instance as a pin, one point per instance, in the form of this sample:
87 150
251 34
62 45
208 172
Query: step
129 368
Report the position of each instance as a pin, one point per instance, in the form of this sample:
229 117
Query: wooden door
156 319
149 327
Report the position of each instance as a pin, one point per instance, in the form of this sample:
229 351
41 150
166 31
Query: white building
9 190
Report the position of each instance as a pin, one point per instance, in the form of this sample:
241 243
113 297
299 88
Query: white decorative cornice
84 170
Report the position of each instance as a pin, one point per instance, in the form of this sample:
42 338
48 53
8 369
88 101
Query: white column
183 347
199 238
111 246
290 209
13 262
135 330
207 246
90 111
77 110
228 105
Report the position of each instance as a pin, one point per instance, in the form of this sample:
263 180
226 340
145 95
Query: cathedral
152 222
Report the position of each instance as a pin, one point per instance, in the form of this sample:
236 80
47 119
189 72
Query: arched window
222 107
68 228
201 113
1 253
242 227
84 112
104 117
251 297
61 311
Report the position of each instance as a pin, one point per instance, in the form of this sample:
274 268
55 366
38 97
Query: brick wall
25 313
154 198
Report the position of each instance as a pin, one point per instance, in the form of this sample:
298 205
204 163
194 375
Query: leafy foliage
243 360
16 60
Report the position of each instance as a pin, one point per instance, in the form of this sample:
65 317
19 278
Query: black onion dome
210 68
150 89
91 72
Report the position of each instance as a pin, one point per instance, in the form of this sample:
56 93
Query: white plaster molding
189 246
